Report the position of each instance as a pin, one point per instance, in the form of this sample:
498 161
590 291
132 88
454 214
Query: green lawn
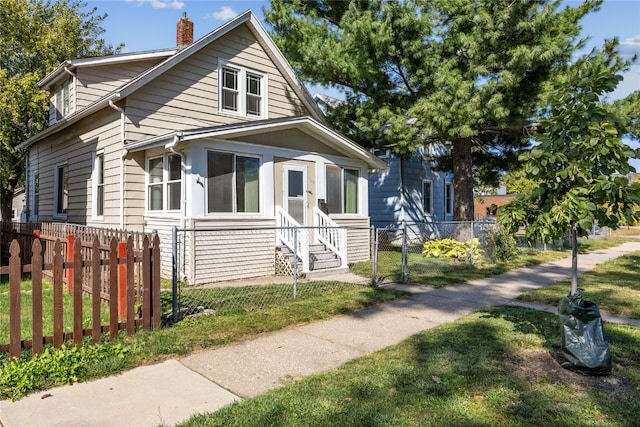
492 368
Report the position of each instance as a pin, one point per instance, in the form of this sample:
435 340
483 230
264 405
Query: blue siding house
410 189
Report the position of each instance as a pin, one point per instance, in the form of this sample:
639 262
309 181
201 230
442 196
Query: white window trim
70 85
94 180
165 182
386 152
56 184
242 91
35 208
424 181
234 195
342 191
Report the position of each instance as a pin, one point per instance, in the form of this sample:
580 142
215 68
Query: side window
61 188
427 194
98 184
448 198
164 183
36 194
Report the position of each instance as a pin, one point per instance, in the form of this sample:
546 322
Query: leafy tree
516 182
35 37
581 161
419 71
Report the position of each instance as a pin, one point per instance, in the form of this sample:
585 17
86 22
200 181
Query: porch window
98 184
426 196
242 91
448 198
342 190
61 188
164 183
233 183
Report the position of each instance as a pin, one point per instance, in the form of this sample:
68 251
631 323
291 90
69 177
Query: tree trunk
6 200
574 261
462 180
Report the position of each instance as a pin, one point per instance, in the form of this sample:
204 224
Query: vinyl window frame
233 185
98 186
243 90
167 184
61 191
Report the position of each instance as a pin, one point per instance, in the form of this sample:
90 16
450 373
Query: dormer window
62 103
242 92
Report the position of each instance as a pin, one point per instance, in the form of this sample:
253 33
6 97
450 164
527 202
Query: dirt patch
542 367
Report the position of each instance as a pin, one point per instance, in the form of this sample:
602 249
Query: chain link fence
226 270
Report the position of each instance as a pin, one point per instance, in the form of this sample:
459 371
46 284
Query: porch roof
305 124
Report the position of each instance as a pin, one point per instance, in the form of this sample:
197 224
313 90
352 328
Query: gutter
122 158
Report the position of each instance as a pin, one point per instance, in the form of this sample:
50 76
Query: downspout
122 158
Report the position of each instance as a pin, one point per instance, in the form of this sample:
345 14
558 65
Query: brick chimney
184 31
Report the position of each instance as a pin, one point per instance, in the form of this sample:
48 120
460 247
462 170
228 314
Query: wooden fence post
95 290
77 292
15 326
130 283
113 289
36 296
58 283
122 280
70 240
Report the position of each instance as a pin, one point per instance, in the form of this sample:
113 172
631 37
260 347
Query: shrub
499 245
469 252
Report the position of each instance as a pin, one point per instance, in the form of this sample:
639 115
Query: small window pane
155 170
350 191
229 100
174 166
99 177
62 192
173 196
230 78
247 184
155 197
253 84
426 197
334 189
219 182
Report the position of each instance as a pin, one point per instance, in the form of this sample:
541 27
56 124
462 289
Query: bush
499 245
450 248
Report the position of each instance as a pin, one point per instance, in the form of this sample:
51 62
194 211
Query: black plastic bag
584 342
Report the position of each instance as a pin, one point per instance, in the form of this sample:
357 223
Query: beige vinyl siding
95 82
186 96
230 255
76 148
134 191
358 238
293 139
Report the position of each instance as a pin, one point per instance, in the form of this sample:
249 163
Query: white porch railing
331 235
290 234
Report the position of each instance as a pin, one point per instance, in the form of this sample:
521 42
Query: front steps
321 260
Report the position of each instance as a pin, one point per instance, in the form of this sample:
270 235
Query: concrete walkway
169 392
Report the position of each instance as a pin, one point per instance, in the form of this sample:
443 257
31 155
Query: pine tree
469 73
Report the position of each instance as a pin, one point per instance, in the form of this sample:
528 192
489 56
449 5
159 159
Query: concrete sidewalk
169 392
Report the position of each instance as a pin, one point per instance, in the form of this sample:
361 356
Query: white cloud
224 14
630 46
159 4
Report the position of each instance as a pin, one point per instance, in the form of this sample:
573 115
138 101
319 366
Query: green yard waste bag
584 343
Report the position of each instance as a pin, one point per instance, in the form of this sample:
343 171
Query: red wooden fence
94 270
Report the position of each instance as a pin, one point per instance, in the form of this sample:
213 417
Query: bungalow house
216 133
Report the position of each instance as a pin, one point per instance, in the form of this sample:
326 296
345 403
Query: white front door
295 192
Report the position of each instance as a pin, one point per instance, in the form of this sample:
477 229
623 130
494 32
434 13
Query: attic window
242 92
62 102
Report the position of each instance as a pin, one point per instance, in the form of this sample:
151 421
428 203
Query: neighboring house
409 189
215 133
17 207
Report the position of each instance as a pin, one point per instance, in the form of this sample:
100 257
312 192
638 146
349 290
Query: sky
151 24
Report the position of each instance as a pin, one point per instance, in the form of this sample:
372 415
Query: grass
614 286
439 272
47 310
232 324
495 367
